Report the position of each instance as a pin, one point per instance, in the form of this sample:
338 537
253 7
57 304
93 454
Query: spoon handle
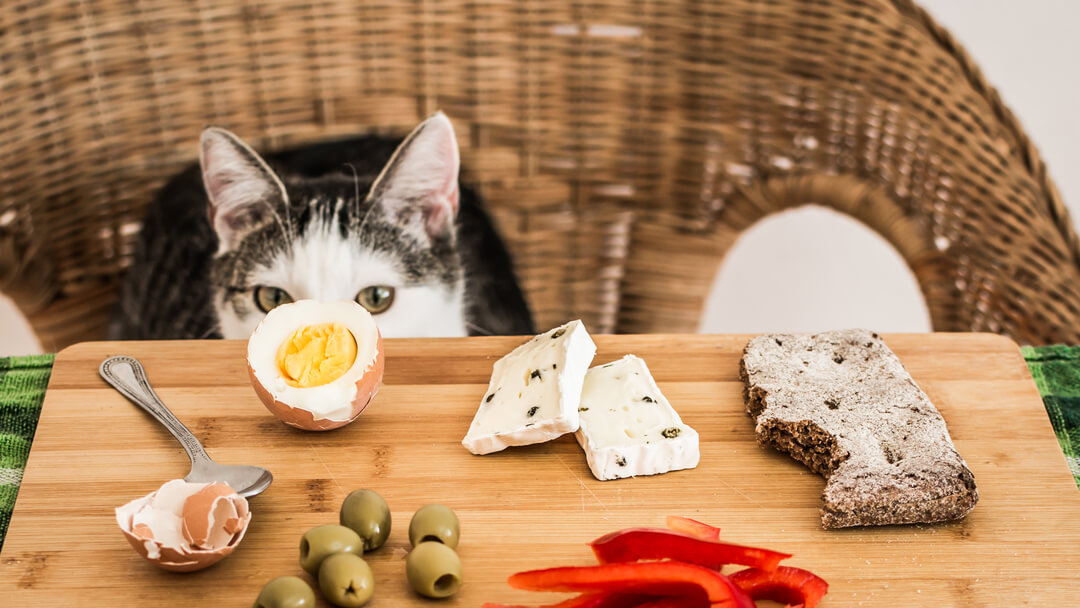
127 375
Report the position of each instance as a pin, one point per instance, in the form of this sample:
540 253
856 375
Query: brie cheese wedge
534 391
628 427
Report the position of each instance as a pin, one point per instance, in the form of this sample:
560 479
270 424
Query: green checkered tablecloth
1056 370
22 389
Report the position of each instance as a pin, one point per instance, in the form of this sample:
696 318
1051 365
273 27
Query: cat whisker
288 234
478 329
277 218
356 184
288 219
207 334
363 220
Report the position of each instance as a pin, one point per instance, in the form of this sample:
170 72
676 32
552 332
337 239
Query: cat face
386 241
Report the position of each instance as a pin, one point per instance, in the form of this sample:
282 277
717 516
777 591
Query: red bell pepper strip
590 600
648 543
785 584
692 527
647 578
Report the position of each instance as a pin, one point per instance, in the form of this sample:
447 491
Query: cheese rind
534 391
628 427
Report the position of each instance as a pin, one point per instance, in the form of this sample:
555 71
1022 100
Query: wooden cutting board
529 507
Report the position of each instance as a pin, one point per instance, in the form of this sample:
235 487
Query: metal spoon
127 375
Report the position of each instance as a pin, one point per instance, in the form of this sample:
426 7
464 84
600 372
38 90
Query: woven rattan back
622 145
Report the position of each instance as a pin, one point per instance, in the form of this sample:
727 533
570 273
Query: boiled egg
184 526
316 365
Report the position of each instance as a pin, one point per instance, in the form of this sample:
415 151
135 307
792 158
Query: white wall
15 335
1027 49
785 275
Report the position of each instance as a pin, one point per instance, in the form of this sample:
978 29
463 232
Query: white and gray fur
321 222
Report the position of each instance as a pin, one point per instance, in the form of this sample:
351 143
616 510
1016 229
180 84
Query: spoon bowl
246 479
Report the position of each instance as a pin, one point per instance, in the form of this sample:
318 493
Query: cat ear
242 188
418 188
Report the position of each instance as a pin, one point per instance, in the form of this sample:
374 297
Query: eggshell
182 557
362 379
214 504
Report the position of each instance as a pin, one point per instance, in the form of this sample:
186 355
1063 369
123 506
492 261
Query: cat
376 219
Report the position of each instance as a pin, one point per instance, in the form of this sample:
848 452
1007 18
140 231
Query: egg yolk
316 354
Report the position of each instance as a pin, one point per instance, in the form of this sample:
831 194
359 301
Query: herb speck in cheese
536 408
554 366
621 461
536 374
557 333
648 399
671 433
582 409
530 424
489 398
608 365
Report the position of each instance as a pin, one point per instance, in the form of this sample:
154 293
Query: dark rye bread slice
842 404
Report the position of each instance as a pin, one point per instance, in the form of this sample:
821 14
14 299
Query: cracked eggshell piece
183 526
211 516
326 406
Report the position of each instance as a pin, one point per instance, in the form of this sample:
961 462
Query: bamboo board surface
528 507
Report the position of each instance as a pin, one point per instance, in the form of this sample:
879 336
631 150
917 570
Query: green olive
321 542
437 523
346 580
433 570
285 592
367 514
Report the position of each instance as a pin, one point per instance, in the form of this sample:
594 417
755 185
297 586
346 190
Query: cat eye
268 298
376 298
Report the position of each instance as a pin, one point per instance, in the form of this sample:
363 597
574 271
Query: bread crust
842 404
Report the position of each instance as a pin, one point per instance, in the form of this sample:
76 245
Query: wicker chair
623 145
